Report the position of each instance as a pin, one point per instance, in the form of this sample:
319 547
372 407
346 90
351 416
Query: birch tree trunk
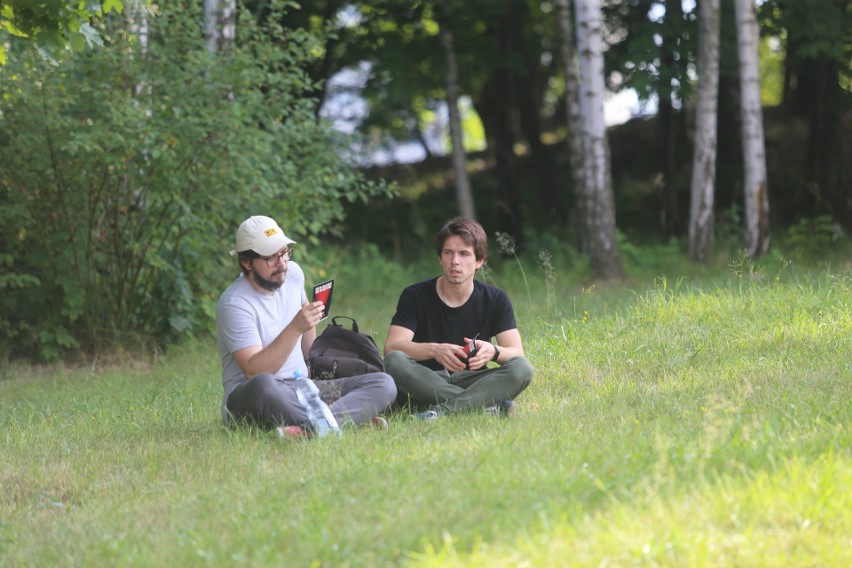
701 219
137 22
574 135
597 175
451 81
136 15
669 120
754 153
220 22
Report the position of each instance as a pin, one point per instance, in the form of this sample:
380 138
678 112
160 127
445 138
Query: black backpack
340 352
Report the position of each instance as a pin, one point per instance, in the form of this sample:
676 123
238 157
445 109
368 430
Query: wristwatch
496 352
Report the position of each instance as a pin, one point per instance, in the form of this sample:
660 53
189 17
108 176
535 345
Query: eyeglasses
272 261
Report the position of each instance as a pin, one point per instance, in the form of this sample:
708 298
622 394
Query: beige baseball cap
262 235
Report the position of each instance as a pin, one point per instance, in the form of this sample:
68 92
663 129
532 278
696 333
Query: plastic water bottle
319 414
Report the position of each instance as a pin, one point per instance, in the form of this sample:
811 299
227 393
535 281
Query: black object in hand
470 351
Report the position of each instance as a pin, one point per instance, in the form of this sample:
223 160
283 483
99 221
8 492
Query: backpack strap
354 323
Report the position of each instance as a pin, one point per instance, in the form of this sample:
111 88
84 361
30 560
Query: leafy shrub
812 237
125 172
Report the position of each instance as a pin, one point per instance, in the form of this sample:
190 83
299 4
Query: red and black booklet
322 293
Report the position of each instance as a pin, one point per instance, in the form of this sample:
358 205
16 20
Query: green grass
702 420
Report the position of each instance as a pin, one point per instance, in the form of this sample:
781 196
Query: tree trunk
701 218
451 81
813 90
495 110
136 15
754 153
824 155
605 258
530 86
137 22
220 21
582 209
669 118
497 107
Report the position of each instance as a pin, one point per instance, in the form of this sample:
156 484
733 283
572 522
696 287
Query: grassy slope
702 424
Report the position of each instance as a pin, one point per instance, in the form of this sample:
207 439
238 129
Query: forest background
126 166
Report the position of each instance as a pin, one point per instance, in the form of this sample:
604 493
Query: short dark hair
469 231
248 256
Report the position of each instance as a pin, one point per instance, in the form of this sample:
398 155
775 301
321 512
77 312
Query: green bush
125 171
809 238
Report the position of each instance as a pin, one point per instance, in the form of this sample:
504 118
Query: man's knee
251 400
520 371
387 387
264 384
258 387
396 360
379 387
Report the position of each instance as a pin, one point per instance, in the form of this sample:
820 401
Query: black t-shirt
487 312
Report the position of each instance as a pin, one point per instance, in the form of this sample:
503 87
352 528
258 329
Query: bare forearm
307 340
509 344
417 351
507 353
272 357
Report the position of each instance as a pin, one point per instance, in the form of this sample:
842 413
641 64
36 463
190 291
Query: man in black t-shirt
438 345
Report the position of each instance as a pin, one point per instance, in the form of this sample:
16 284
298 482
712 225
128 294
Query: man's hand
308 317
482 356
451 357
255 360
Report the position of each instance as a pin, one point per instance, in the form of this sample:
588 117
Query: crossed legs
462 391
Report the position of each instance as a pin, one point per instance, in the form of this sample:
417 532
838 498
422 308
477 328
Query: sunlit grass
680 422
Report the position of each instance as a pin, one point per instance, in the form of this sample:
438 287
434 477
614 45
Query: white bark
136 14
220 19
596 163
137 24
574 135
754 153
701 219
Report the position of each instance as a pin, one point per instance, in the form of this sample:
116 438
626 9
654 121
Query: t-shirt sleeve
406 311
237 326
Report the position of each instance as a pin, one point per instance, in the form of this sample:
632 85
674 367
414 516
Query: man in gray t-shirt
265 327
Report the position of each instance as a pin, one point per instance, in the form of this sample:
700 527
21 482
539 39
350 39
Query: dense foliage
510 68
125 171
54 25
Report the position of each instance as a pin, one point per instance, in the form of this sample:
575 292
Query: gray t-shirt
245 317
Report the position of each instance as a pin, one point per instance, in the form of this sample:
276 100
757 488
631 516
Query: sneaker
379 423
292 432
426 415
505 408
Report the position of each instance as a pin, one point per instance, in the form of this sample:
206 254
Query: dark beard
266 284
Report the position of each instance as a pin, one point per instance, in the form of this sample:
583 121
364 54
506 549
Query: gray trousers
269 402
457 392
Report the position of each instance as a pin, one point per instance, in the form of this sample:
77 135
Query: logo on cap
269 232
